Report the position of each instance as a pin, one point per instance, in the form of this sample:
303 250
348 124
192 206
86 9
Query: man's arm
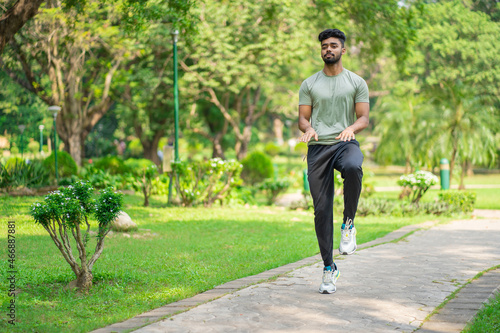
305 112
362 115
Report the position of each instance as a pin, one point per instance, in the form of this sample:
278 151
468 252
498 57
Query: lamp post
54 109
41 127
22 128
175 35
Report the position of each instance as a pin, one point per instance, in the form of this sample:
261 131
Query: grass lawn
176 253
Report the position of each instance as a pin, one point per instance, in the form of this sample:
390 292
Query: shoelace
346 232
328 276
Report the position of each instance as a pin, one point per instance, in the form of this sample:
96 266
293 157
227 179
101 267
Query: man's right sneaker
348 238
330 276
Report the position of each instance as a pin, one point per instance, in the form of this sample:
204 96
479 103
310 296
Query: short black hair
328 33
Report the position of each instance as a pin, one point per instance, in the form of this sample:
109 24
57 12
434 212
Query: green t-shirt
332 99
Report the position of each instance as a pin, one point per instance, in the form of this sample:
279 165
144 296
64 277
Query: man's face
331 50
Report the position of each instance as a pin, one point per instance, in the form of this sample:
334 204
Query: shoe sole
348 253
324 292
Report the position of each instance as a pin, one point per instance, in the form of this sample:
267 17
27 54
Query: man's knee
352 170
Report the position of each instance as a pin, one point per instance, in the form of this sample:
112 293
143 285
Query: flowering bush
64 213
418 183
205 181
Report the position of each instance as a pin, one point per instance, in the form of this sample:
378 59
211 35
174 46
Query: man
333 107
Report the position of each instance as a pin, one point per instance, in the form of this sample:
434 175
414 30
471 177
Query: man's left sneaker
348 238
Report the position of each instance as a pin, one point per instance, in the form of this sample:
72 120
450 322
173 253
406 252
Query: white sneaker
348 238
329 279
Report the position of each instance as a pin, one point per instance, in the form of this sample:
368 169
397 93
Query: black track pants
347 158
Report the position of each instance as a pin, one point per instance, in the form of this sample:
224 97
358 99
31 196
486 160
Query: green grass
177 253
487 319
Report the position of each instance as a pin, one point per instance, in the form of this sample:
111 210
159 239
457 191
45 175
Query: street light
54 109
22 128
175 34
41 127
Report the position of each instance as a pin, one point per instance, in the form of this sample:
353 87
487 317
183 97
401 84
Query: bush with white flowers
418 183
65 214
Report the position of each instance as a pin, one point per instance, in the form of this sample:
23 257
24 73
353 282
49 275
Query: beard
332 60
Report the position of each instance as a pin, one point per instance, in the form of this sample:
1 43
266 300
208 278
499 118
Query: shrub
463 200
136 165
368 206
301 148
257 166
135 148
34 147
65 213
66 165
205 181
101 179
14 150
14 162
418 184
272 149
438 208
273 188
113 164
21 174
143 181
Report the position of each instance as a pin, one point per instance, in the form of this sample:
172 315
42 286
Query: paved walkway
391 287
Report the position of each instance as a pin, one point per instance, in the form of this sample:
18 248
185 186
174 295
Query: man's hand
308 135
346 135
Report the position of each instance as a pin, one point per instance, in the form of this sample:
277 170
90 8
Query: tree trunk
462 176
15 18
278 130
217 151
84 279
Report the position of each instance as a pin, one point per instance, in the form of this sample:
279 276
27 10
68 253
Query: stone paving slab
387 288
464 306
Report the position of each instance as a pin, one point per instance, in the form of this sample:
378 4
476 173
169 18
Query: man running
333 107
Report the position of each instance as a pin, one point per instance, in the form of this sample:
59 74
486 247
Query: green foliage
135 148
34 147
257 166
65 163
136 165
205 181
17 174
143 181
14 150
100 179
418 183
272 149
113 164
108 206
14 162
464 200
65 213
273 188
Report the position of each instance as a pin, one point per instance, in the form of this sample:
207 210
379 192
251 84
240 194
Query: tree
69 59
455 66
65 213
145 89
14 18
403 128
245 44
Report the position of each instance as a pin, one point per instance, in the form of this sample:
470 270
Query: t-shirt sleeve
304 94
362 94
